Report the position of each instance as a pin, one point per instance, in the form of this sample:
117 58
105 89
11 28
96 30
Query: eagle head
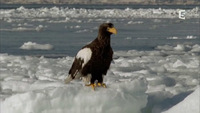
107 29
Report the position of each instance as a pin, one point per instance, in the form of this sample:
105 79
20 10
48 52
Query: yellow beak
112 30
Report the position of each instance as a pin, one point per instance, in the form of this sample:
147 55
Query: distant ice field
67 29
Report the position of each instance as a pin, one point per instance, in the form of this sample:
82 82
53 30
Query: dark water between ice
67 38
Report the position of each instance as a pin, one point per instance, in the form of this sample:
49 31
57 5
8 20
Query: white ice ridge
35 46
189 105
56 12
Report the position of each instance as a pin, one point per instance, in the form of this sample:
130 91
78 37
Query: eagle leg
92 85
102 84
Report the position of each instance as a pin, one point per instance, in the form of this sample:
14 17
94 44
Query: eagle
93 61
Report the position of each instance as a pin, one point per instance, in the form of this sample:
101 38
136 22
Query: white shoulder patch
85 54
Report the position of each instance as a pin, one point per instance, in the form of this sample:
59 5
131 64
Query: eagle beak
112 30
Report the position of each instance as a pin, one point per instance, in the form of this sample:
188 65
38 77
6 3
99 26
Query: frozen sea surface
155 67
138 82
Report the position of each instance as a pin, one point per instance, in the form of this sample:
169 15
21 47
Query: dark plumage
94 59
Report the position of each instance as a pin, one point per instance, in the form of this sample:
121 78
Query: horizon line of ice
60 12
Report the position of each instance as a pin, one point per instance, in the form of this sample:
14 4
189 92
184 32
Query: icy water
69 27
155 67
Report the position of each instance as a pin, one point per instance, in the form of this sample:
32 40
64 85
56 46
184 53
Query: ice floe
25 27
187 37
138 81
189 105
35 46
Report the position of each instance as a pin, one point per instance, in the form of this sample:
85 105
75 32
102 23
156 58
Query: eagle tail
68 79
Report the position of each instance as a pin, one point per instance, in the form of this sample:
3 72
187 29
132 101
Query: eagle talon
92 85
102 84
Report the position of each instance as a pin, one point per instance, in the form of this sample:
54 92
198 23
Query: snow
41 89
189 105
196 48
35 46
138 81
78 99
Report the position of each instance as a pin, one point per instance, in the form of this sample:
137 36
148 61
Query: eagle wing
81 59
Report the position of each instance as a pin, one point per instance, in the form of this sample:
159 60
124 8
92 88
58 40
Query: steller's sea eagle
94 59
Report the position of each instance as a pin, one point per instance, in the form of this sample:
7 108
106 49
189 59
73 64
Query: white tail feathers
68 79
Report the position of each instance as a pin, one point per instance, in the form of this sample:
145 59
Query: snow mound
35 46
35 85
189 105
121 97
196 48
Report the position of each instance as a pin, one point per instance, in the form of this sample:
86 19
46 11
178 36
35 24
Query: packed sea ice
138 82
71 14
